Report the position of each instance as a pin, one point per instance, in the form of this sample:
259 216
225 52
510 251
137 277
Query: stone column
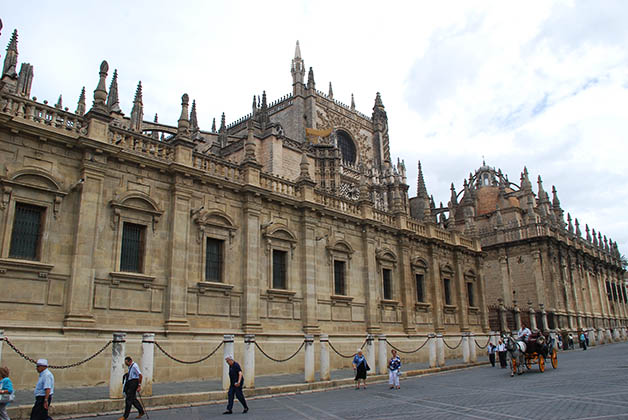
382 359
533 325
90 202
440 350
517 315
545 326
249 360
370 351
180 240
437 287
463 302
503 321
432 350
227 348
406 290
325 367
371 281
308 280
537 274
118 352
147 363
466 355
505 279
481 292
472 350
252 270
309 362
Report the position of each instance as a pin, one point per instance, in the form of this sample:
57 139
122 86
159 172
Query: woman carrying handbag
6 392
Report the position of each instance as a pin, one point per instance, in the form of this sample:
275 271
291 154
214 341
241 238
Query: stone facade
290 220
535 262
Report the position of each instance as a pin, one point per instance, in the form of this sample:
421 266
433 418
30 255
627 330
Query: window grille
447 290
279 269
470 296
346 146
387 277
132 255
339 278
213 260
420 297
27 230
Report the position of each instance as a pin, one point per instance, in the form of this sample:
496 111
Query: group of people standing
500 350
361 367
44 389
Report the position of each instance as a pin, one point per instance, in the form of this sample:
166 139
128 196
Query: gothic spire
352 103
525 180
223 125
137 113
155 133
10 60
80 108
331 92
454 197
113 104
421 190
543 197
298 71
250 146
25 80
193 117
578 231
310 80
555 200
214 125
588 234
59 104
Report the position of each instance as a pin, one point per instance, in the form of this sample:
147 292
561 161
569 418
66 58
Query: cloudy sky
541 84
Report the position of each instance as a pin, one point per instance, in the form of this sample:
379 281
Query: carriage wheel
541 363
513 363
554 358
528 361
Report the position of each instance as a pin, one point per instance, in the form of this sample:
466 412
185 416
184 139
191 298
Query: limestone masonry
293 219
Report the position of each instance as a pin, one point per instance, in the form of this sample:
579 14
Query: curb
91 408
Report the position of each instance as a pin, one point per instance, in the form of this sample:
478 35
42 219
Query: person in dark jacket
360 366
235 388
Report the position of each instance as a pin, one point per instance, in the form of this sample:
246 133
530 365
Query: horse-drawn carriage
534 351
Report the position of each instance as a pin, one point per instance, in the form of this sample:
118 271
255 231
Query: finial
588 235
331 92
421 191
10 61
297 51
193 117
378 101
113 104
223 125
156 119
264 104
137 112
59 104
578 232
80 108
352 103
184 123
310 80
214 125
100 94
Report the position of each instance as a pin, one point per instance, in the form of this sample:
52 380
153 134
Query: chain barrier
344 355
454 347
188 362
485 346
33 361
280 360
412 351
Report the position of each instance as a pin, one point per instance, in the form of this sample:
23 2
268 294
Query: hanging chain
280 360
33 361
454 347
485 346
188 362
344 355
409 352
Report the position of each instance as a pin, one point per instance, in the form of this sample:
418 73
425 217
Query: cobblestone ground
590 384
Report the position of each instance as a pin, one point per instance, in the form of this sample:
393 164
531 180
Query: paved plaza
590 384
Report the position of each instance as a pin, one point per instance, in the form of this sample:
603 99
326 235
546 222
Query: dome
487 199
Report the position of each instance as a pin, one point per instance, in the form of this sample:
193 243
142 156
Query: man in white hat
43 391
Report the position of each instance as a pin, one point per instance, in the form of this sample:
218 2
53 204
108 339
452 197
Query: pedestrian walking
394 366
583 341
491 353
132 386
6 392
570 341
586 338
236 380
501 352
360 366
560 342
44 390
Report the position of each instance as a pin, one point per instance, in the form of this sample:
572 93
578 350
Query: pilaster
251 268
309 244
436 283
371 279
406 287
463 304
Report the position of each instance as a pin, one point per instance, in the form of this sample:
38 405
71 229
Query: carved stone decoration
213 219
279 235
350 191
340 249
385 255
6 197
134 201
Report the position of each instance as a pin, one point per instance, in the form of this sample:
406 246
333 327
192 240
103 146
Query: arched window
346 146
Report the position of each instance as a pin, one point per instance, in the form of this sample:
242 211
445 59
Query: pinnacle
138 92
13 42
297 51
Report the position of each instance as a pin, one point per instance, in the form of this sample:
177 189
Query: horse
517 350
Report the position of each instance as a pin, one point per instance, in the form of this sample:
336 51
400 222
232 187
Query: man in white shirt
133 385
43 391
523 333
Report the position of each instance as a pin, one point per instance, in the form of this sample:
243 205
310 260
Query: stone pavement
588 384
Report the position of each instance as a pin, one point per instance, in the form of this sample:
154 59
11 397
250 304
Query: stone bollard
591 334
382 356
310 365
227 351
440 350
1 342
118 351
370 351
432 350
616 334
147 363
466 350
473 354
325 368
600 336
249 360
609 337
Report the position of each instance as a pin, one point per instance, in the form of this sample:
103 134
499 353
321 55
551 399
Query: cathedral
292 219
